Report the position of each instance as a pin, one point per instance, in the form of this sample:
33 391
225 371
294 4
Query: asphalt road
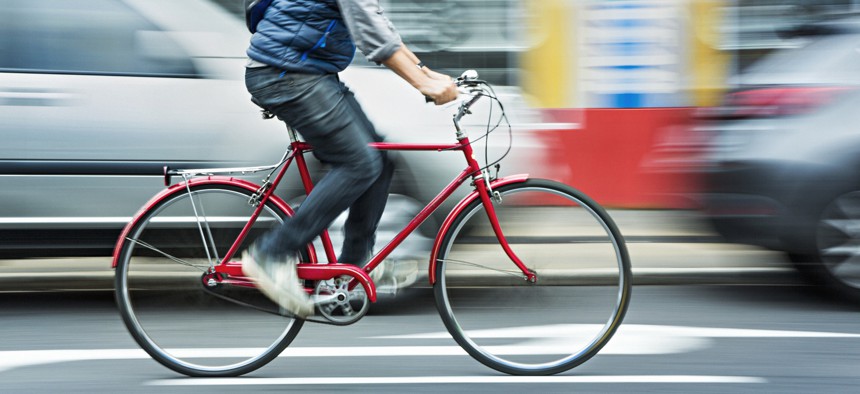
688 338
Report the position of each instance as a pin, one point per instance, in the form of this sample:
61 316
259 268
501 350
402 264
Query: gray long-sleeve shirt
372 32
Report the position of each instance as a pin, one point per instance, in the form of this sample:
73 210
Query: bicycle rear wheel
583 280
169 305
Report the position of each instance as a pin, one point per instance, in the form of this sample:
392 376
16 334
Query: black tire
168 309
572 310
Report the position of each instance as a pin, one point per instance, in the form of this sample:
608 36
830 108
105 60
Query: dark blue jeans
324 111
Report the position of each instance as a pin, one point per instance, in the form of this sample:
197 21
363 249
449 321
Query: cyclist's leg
318 107
364 215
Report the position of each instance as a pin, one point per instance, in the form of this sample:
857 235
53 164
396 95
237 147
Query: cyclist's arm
441 90
372 32
376 37
430 73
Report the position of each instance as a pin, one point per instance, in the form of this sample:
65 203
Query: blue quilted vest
304 36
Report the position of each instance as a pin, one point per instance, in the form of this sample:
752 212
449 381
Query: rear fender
179 187
458 209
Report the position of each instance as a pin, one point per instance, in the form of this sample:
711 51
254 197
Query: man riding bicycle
295 55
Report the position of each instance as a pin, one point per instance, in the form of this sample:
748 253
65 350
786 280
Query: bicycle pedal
387 290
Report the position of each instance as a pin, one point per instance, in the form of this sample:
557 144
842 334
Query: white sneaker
279 281
391 276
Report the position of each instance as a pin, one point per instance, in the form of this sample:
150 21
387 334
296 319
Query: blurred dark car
96 96
783 162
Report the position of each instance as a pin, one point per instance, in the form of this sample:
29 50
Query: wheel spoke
848 206
848 227
845 249
843 260
202 268
516 273
849 269
838 240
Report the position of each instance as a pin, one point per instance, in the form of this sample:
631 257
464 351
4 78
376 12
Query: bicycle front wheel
168 303
564 318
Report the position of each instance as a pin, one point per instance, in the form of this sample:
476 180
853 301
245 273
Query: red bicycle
530 276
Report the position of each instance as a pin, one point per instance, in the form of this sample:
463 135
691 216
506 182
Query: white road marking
25 358
626 379
631 339
565 330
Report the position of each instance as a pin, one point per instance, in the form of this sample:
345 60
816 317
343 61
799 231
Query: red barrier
625 158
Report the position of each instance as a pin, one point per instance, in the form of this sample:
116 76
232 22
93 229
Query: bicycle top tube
412 146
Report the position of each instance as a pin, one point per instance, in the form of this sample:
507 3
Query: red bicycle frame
230 271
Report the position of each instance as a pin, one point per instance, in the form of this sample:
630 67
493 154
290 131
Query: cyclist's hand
440 90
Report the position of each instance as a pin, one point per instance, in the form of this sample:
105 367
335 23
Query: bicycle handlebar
468 80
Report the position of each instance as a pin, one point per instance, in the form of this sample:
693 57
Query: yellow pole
549 65
710 65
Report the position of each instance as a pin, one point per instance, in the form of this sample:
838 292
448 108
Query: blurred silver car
96 97
784 156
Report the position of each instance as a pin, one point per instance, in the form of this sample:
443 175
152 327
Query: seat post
294 135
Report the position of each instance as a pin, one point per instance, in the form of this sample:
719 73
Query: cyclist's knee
386 160
369 166
387 163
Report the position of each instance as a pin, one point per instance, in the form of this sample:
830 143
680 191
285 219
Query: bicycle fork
484 188
488 196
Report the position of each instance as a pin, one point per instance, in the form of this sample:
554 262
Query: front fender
449 220
179 187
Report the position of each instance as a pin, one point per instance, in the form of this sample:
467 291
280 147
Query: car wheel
399 211
835 264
